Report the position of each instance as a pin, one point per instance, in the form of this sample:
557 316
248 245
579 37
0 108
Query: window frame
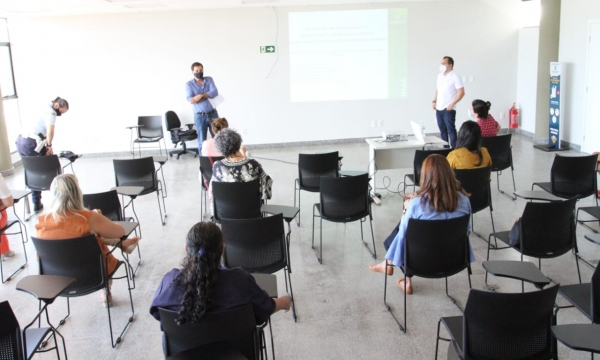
12 72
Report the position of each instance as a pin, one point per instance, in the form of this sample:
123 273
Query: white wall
574 21
527 77
113 68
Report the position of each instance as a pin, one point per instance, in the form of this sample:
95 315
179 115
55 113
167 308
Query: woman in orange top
68 219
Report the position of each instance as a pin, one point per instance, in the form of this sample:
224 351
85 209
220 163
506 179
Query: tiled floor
339 304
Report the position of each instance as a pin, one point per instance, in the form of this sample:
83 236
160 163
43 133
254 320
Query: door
591 134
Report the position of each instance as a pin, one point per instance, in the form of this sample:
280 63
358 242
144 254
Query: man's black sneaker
37 207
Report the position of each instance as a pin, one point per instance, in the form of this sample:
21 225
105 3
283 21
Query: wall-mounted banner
555 105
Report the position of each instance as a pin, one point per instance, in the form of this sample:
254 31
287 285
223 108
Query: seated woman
68 219
236 167
469 154
203 285
480 112
6 201
208 145
439 197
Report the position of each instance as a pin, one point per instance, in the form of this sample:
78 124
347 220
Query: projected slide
348 55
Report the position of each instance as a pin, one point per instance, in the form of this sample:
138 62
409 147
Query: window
7 80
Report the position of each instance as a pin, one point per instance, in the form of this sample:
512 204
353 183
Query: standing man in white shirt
449 92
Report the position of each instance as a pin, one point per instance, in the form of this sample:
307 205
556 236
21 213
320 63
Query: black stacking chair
434 249
149 131
343 200
178 135
238 326
141 172
206 171
21 344
503 326
258 246
477 183
420 156
311 167
547 231
501 153
82 259
584 297
222 350
236 200
108 202
4 230
39 172
572 177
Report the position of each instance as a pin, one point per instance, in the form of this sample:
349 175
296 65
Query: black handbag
514 237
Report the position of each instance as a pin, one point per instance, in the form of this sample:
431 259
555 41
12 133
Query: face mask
57 112
199 75
470 114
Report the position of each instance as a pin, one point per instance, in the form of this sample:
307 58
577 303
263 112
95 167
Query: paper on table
216 101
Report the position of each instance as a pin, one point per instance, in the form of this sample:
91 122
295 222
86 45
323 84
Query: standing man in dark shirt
198 91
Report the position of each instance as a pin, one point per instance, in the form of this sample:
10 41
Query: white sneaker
9 253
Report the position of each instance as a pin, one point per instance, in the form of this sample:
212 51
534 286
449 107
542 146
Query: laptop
420 136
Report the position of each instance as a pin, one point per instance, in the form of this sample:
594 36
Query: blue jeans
446 120
26 147
202 122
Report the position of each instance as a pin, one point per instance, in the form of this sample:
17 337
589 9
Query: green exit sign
267 49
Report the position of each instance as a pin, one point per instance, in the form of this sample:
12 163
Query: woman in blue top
439 197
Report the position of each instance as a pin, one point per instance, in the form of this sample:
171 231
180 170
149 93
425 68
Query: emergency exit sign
267 49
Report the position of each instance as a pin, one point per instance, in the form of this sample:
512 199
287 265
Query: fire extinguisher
513 114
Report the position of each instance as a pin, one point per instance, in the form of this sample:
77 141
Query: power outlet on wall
379 123
501 116
245 132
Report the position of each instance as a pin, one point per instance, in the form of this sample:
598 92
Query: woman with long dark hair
480 111
203 285
469 154
439 197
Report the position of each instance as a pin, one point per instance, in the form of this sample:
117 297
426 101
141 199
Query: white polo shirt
447 86
40 125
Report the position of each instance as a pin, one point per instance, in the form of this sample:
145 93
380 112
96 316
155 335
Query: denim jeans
202 123
26 147
446 120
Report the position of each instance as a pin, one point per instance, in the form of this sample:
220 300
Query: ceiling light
143 6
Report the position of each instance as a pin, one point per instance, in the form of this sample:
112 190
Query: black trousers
26 147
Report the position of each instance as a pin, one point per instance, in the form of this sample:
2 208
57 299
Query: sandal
402 287
390 269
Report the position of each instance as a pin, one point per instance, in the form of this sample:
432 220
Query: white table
395 155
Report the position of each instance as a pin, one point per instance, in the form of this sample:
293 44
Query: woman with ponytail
204 285
480 111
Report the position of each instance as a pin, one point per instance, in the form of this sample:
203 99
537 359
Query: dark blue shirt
234 288
192 88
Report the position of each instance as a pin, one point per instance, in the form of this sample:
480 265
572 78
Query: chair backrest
172 120
574 176
509 325
420 156
151 126
255 245
436 248
500 151
595 284
11 347
40 171
136 172
345 198
236 200
206 168
477 183
238 326
107 202
311 167
80 258
548 228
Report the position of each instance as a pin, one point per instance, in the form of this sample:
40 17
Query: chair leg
272 342
374 252
202 195
21 227
388 308
513 197
297 187
119 338
158 196
289 278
